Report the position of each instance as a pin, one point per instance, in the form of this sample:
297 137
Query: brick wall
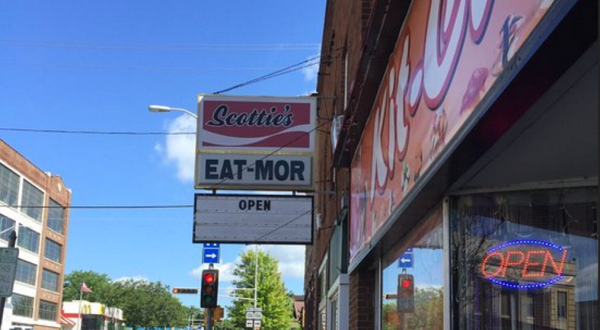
362 300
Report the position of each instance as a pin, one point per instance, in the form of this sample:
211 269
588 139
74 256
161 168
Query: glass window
524 260
56 216
25 272
5 224
50 280
9 186
22 305
413 279
32 201
28 239
48 310
52 251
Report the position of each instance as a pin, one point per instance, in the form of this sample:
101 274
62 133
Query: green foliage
144 304
99 284
271 297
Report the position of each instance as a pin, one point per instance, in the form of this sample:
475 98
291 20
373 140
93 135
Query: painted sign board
250 142
211 255
449 56
253 219
8 268
222 171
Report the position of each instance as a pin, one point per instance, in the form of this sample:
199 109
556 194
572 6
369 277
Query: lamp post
164 108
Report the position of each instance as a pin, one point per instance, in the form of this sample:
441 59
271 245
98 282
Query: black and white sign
254 171
253 219
8 267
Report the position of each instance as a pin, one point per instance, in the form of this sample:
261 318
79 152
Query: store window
52 251
56 216
9 186
32 201
28 239
48 310
22 305
525 260
50 280
5 224
25 272
413 279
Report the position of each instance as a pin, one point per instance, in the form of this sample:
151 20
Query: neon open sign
524 264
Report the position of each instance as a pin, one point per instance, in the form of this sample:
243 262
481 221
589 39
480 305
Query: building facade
457 180
34 204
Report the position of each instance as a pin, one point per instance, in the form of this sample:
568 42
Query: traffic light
406 293
185 290
209 288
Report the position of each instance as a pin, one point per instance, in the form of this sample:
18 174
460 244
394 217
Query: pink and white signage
448 56
247 142
259 124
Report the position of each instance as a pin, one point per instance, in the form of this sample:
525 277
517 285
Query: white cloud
291 259
180 149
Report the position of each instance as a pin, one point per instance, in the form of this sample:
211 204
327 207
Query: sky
95 66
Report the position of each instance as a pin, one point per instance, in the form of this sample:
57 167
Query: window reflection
526 260
413 280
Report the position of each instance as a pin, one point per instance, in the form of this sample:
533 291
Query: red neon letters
532 263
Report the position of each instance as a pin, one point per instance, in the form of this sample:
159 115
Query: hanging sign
255 142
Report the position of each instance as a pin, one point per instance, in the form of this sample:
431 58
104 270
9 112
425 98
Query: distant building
35 204
94 316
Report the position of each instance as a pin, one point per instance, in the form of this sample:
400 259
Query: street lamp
164 108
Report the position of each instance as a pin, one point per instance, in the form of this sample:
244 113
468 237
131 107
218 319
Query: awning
64 320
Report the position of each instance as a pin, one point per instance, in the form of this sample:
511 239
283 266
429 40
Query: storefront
474 180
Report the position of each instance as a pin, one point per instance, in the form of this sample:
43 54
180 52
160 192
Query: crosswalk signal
209 288
406 293
185 290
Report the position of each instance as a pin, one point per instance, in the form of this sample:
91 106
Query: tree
144 304
100 284
147 304
271 296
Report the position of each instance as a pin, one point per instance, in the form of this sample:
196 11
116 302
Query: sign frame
8 268
240 150
229 238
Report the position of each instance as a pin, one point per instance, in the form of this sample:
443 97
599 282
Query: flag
84 288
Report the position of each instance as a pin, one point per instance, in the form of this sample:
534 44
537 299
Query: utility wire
289 69
115 207
89 132
141 46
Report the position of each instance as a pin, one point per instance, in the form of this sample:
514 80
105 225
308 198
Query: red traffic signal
406 293
209 288
185 290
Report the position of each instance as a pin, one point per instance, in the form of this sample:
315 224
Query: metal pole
255 273
12 239
209 313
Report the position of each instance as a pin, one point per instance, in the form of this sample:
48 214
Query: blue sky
96 66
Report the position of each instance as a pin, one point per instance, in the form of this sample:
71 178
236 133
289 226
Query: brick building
35 204
457 179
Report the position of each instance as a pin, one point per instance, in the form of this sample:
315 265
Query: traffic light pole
12 239
209 312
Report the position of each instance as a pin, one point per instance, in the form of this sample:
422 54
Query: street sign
210 256
249 323
212 245
406 261
253 219
257 323
249 315
8 268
